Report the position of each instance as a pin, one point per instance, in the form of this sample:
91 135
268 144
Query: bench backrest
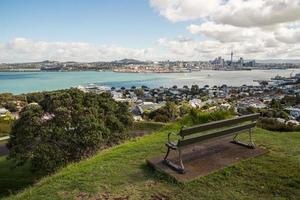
235 124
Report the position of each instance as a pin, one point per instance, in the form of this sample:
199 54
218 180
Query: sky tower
231 60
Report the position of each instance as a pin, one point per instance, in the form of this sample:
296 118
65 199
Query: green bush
198 117
273 124
5 127
11 106
169 112
67 126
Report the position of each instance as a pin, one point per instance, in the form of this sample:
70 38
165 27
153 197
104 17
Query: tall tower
231 61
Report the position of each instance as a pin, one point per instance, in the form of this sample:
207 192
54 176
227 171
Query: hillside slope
121 173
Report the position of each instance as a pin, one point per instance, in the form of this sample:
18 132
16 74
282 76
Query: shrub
67 126
11 106
273 124
197 117
5 126
167 113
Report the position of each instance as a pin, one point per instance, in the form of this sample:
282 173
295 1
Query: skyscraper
231 60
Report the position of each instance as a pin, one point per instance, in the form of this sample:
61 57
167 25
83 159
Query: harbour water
24 82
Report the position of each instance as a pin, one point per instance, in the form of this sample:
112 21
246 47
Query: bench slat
218 124
228 131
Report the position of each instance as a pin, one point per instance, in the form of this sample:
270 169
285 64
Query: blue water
23 82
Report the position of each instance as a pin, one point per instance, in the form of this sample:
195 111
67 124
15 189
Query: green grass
121 172
13 179
147 126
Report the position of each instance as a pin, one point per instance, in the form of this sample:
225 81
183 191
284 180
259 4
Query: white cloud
255 29
226 33
288 34
253 13
209 49
25 50
181 10
243 13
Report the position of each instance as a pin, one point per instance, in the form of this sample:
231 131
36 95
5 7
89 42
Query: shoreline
26 82
146 72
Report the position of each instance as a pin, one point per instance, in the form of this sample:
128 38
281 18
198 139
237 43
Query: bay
24 82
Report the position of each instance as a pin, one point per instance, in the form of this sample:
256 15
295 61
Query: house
257 104
116 95
137 110
294 112
150 106
196 103
225 106
5 114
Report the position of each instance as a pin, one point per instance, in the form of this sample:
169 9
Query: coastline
24 82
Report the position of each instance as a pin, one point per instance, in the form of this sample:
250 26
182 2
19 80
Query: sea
25 82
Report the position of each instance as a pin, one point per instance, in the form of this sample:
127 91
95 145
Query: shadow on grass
13 179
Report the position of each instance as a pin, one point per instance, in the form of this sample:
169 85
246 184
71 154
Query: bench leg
167 154
251 143
251 140
179 169
180 160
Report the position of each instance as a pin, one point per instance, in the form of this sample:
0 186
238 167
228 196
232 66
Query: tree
139 92
264 83
166 113
186 87
4 97
275 104
11 106
172 110
67 126
194 89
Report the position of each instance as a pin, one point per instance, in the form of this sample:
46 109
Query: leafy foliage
198 117
273 124
167 113
66 126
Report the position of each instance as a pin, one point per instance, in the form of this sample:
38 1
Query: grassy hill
121 173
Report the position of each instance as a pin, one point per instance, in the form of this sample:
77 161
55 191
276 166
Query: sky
105 30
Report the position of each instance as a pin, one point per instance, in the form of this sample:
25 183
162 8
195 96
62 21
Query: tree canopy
66 126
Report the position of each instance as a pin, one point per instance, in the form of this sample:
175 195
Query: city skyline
86 31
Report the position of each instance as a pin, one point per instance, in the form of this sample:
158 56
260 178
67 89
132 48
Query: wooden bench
222 128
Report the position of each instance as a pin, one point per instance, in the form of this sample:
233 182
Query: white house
3 112
294 112
196 103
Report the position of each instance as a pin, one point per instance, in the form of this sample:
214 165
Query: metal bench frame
236 129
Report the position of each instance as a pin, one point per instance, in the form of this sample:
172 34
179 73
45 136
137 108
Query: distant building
3 112
231 59
294 112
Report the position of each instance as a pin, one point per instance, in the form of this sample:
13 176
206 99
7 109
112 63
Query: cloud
26 50
226 33
288 34
244 13
209 49
181 10
256 13
254 29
